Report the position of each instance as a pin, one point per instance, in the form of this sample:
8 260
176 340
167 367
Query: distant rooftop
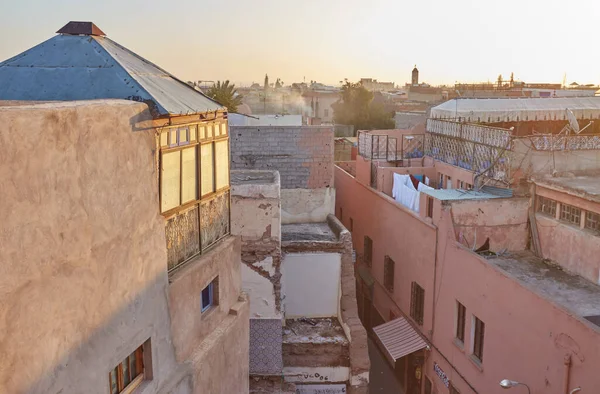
572 292
81 64
587 187
489 110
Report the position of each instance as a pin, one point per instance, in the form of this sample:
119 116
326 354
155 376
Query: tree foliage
356 107
226 95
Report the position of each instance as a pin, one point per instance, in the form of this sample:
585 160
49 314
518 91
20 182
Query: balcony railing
384 147
195 229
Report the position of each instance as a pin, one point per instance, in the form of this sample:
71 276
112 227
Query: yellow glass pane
209 131
217 129
164 138
189 182
206 169
222 156
224 128
169 180
192 133
173 137
202 132
183 135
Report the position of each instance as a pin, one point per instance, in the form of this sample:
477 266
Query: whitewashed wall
311 284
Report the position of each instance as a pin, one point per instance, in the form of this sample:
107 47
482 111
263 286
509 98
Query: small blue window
207 296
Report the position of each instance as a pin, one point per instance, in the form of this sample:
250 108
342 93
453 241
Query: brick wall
303 155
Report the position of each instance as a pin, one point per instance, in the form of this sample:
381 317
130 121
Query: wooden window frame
208 139
134 382
478 338
389 266
417 303
368 250
570 214
592 221
461 318
546 206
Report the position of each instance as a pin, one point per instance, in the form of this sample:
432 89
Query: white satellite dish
573 121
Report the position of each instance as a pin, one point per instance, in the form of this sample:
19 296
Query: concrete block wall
303 155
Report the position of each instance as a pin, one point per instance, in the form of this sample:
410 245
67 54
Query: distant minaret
415 76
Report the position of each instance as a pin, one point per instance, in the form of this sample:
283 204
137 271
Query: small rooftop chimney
81 28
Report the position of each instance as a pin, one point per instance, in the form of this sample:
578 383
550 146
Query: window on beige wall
206 169
222 161
130 373
189 170
170 178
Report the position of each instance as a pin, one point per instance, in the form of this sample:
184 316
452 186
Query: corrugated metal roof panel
68 67
175 96
399 339
498 191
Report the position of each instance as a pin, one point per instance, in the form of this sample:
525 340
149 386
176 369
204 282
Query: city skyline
464 41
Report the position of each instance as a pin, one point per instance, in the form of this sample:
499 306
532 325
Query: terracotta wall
572 247
382 219
502 220
526 336
456 174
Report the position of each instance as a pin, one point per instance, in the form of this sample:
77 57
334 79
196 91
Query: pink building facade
497 286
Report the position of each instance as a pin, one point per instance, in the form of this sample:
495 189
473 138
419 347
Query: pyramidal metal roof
79 65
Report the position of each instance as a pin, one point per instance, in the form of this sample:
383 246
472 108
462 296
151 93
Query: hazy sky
329 40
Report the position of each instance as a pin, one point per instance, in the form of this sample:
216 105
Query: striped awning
398 338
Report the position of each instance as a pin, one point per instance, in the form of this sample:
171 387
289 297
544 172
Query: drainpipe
567 370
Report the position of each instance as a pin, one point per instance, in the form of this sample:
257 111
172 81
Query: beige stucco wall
307 205
83 250
83 259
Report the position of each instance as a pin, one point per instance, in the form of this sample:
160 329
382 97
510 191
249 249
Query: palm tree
225 94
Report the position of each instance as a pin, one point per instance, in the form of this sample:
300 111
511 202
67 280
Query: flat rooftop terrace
303 232
570 291
587 186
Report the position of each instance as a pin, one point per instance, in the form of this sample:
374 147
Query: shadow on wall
144 317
